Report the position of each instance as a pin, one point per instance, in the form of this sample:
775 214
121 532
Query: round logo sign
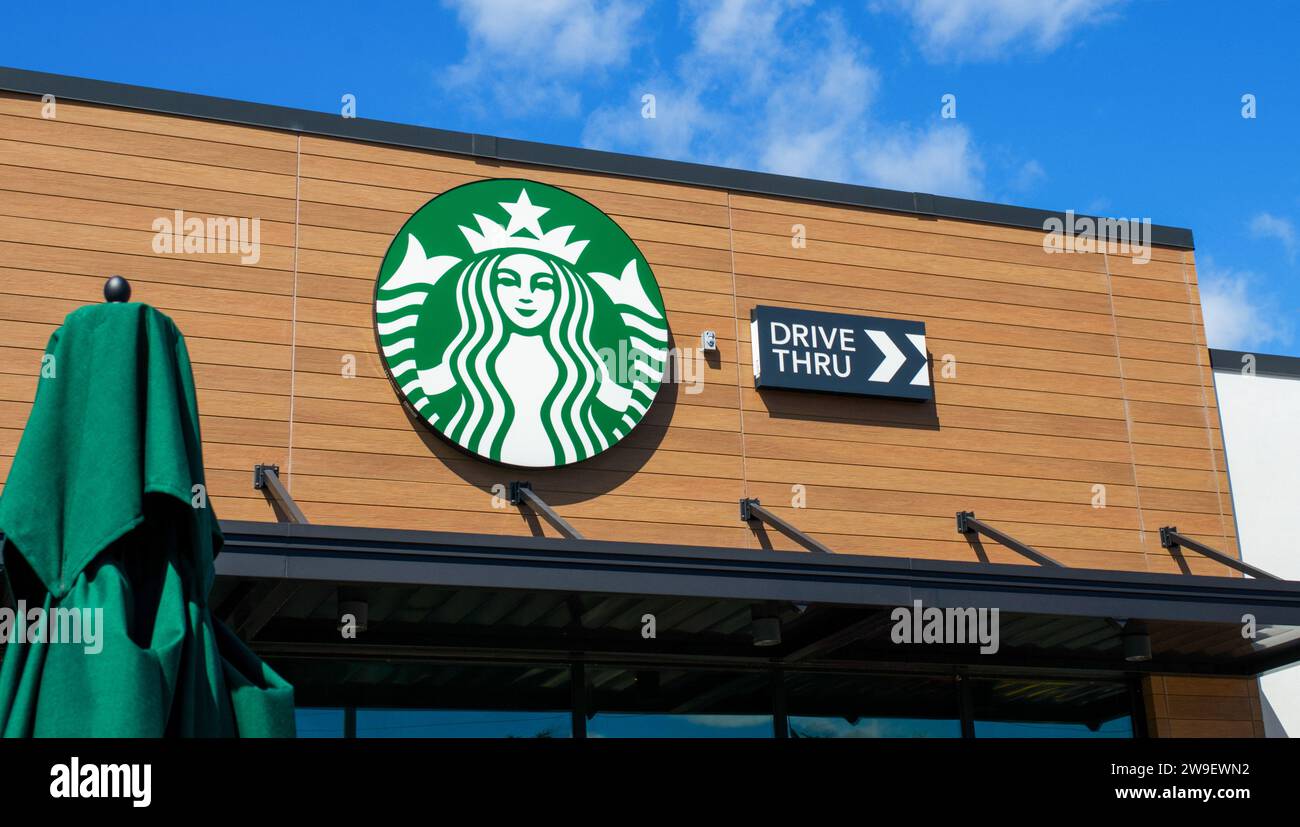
521 323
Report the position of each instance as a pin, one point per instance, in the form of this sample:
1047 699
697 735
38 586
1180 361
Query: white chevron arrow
923 375
894 357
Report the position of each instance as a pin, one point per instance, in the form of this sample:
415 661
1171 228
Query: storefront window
460 700
462 723
319 723
1051 709
679 703
401 699
833 705
1121 727
662 725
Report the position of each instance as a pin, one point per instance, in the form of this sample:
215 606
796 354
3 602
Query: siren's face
525 289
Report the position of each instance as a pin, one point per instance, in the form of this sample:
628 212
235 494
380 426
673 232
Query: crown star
523 215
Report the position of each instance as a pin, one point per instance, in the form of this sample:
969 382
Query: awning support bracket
967 525
267 478
751 509
1170 539
522 492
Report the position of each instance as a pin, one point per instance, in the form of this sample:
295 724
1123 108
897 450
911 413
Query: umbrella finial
117 289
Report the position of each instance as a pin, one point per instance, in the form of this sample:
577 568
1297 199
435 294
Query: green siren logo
521 322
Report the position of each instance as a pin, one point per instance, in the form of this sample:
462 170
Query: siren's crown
523 216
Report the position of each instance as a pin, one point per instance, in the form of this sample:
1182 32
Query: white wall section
1261 421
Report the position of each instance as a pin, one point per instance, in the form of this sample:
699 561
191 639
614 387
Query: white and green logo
503 324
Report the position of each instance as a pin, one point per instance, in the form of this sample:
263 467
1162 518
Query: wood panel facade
1201 707
1062 381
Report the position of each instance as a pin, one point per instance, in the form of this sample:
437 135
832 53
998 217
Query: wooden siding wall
1072 370
1200 707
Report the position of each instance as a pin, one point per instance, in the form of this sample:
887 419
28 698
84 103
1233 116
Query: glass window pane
652 725
1121 727
462 723
409 699
836 705
319 723
679 703
1051 709
806 726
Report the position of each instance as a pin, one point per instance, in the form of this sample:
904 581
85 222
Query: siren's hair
485 413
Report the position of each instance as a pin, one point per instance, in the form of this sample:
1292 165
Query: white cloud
527 55
736 29
730 721
940 160
681 118
1030 174
1267 225
739 35
817 112
980 29
1239 313
814 86
1098 206
838 728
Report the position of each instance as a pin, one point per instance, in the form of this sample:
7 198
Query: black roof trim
376 555
530 152
1233 361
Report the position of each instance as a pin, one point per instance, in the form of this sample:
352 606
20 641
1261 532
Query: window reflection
803 726
460 700
319 723
678 703
1051 709
462 723
628 725
836 705
1121 727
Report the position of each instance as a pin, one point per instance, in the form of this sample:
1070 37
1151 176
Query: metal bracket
1170 538
751 509
522 492
259 471
967 524
267 477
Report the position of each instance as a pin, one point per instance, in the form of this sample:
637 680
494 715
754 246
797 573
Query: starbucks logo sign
521 323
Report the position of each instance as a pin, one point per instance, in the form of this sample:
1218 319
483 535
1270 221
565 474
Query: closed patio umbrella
105 514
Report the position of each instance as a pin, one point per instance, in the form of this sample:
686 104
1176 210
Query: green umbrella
107 525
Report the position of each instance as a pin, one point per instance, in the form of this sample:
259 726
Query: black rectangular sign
808 350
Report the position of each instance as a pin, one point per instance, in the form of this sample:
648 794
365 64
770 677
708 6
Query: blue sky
1129 109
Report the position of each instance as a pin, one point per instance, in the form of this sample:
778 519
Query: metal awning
446 595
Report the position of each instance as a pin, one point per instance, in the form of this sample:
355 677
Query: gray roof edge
1262 364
